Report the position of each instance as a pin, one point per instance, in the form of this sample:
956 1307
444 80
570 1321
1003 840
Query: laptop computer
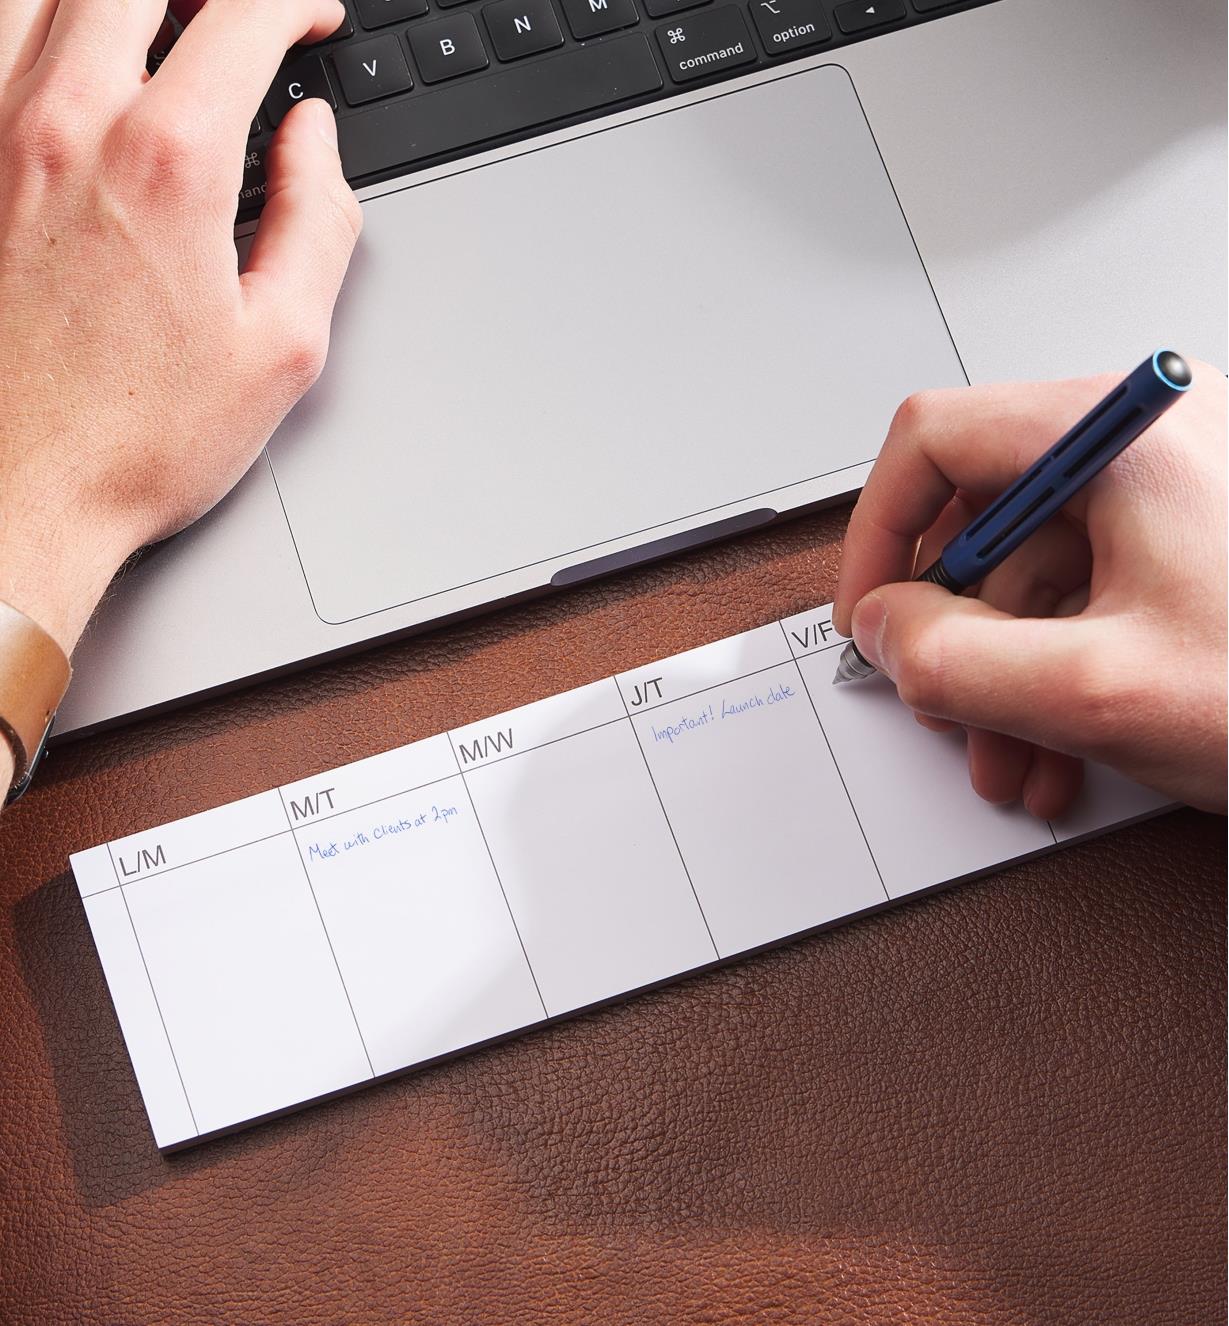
641 274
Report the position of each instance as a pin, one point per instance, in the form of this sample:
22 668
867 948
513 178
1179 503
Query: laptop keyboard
417 82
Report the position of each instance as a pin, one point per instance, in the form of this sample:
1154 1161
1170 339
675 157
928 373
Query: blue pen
1104 432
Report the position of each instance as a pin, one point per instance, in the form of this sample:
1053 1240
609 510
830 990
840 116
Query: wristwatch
34 674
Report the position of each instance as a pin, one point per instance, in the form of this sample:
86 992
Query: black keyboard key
858 15
161 45
369 70
591 18
380 13
252 191
789 25
343 30
448 47
704 44
522 27
296 81
506 102
925 6
660 8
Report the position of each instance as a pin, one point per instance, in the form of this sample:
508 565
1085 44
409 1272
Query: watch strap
34 674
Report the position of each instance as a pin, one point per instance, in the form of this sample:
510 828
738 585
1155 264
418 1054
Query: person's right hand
1103 637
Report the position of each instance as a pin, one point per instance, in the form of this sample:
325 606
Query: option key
789 25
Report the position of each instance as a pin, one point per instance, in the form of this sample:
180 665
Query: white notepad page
416 904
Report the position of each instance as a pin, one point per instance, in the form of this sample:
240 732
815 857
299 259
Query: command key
704 44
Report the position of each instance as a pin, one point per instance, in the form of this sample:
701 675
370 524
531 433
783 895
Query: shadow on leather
101 1114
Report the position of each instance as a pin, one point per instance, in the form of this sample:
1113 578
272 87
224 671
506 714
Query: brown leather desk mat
1003 1104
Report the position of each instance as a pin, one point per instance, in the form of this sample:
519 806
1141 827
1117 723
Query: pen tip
851 666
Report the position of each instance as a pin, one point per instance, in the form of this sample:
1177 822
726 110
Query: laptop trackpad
536 359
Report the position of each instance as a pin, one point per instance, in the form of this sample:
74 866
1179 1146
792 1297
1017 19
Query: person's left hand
140 370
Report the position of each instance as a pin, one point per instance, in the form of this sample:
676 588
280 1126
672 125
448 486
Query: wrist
55 563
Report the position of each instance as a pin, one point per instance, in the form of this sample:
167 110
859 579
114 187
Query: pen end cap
1171 367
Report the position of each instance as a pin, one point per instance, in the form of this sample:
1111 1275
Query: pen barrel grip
938 574
1082 452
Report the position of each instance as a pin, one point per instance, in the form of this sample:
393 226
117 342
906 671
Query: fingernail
326 125
870 619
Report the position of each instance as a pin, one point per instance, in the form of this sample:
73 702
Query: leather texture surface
1001 1105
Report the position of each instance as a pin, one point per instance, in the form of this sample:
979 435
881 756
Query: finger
24 25
961 659
308 229
1052 783
950 521
103 45
1071 605
1035 579
228 55
975 438
997 765
934 724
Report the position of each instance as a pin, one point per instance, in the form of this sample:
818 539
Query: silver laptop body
677 323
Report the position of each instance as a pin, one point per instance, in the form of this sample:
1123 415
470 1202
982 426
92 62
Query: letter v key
371 69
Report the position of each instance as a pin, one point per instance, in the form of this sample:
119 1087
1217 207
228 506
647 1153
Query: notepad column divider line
166 1031
666 816
533 976
835 763
328 939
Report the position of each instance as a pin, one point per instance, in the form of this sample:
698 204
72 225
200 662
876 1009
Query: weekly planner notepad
413 905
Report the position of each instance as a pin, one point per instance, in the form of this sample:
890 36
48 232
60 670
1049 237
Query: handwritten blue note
381 832
778 693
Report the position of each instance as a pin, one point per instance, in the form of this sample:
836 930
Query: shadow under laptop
439 664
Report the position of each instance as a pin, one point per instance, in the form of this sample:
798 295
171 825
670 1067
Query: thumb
309 226
960 659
